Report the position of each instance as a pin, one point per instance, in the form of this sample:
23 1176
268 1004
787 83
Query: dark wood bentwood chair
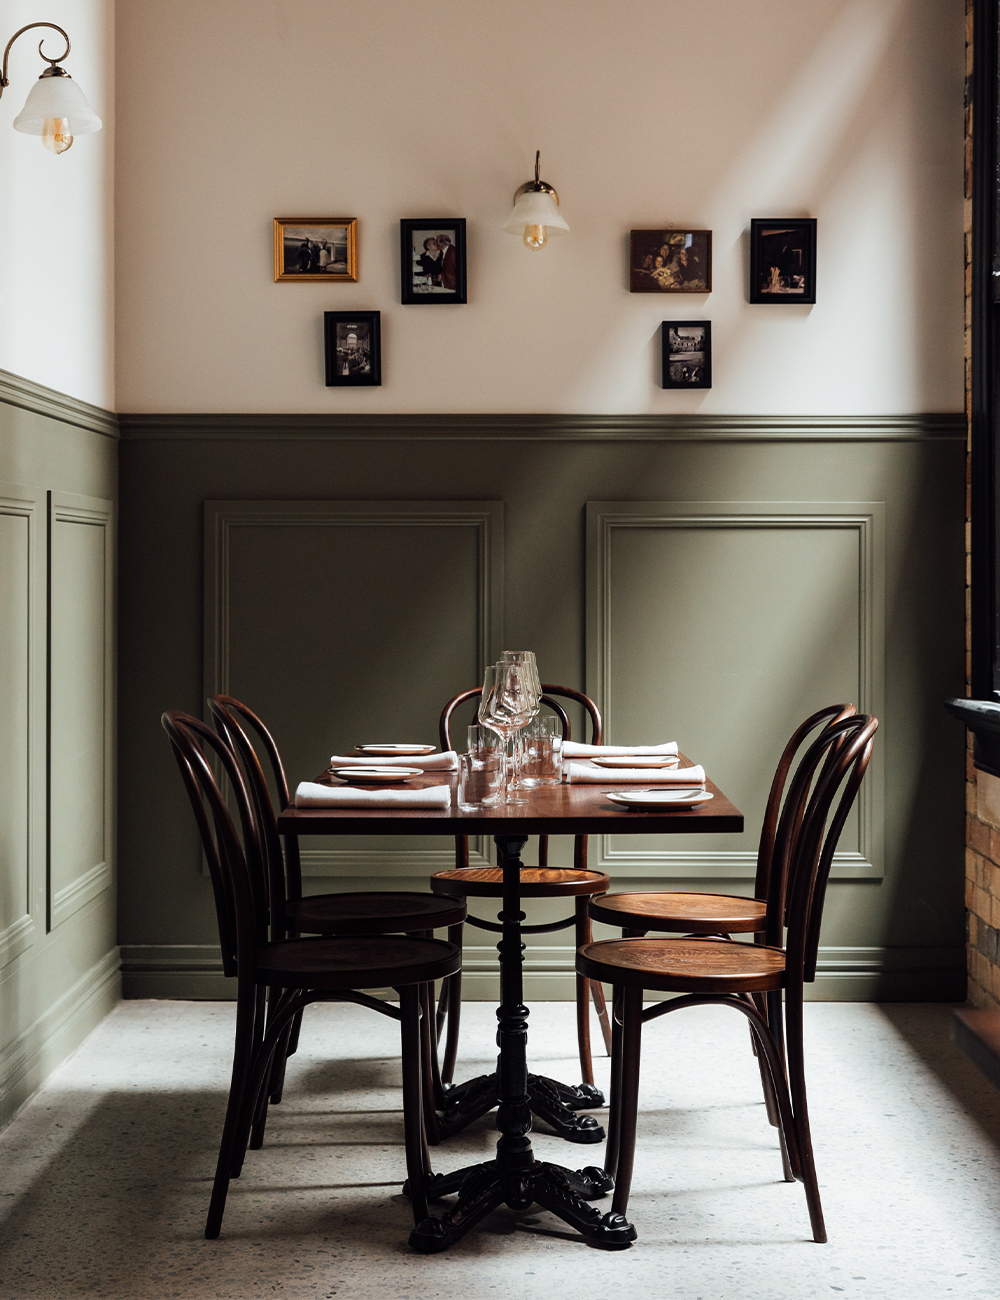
542 881
355 914
709 971
721 915
302 971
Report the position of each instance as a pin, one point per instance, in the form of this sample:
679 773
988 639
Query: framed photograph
687 353
353 349
783 260
670 261
320 249
432 259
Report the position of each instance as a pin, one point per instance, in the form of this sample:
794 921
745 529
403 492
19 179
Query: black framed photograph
670 261
353 348
317 249
783 259
687 353
432 259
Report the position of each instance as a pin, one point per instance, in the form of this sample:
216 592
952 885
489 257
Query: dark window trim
981 713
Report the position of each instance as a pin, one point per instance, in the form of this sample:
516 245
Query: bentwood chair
707 971
542 881
722 915
302 971
356 914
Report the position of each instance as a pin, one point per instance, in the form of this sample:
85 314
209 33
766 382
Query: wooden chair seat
354 963
686 912
536 882
372 913
684 965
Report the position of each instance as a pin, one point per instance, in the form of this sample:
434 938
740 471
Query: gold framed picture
320 249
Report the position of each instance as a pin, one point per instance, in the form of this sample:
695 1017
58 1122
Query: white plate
373 774
395 751
637 760
659 798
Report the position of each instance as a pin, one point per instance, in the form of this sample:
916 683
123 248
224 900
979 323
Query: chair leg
442 1010
584 934
770 1104
615 1101
412 1039
246 1011
800 1109
601 1007
431 1082
454 1011
629 1103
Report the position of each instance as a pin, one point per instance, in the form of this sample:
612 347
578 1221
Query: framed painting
670 261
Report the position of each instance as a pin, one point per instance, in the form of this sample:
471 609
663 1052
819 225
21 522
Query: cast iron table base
515 1177
550 1100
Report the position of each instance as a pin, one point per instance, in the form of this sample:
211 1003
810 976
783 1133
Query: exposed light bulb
57 134
535 236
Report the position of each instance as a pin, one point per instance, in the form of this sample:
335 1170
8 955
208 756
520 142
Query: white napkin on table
446 762
579 772
311 795
571 749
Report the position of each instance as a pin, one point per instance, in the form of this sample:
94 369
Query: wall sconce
56 107
536 212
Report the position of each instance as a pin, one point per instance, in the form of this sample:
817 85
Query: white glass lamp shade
56 97
535 208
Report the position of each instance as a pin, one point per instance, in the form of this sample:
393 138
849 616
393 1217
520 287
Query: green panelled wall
709 580
59 960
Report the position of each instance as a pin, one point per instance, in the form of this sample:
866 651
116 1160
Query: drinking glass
525 661
505 705
543 760
479 778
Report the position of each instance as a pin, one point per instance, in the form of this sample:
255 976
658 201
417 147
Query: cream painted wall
647 112
57 214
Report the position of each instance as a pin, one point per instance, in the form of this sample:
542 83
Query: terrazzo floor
105 1174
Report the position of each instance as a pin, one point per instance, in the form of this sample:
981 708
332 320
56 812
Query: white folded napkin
310 795
446 762
573 750
636 775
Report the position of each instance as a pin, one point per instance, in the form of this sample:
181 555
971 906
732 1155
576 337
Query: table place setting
393 765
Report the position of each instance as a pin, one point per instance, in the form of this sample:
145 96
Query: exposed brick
978 836
981 904
970 889
971 927
991 879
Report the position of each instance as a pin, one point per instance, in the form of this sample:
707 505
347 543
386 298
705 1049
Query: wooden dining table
515 1177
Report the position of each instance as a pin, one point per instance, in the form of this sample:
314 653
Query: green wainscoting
59 961
709 580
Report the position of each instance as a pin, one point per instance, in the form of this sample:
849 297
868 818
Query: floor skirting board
873 974
34 1054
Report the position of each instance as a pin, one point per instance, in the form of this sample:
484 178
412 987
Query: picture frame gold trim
315 277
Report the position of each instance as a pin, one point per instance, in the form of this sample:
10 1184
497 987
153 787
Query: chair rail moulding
311 607
731 596
29 396
550 428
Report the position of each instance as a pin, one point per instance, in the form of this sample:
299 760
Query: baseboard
871 974
27 1062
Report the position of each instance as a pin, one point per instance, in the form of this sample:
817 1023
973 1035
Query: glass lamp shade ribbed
535 208
56 97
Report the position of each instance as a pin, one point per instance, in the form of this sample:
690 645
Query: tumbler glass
479 779
543 759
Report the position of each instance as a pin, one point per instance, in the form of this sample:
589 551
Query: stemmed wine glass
525 659
507 704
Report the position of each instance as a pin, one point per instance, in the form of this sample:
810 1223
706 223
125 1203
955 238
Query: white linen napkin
580 772
571 749
309 794
446 762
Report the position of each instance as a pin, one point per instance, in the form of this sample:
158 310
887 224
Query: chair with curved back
301 970
543 881
721 915
713 971
356 914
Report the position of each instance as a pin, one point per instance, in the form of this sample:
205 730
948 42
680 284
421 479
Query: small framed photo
432 259
353 349
319 249
783 260
687 353
670 261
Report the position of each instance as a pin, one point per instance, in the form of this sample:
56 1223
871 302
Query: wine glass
505 706
525 660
